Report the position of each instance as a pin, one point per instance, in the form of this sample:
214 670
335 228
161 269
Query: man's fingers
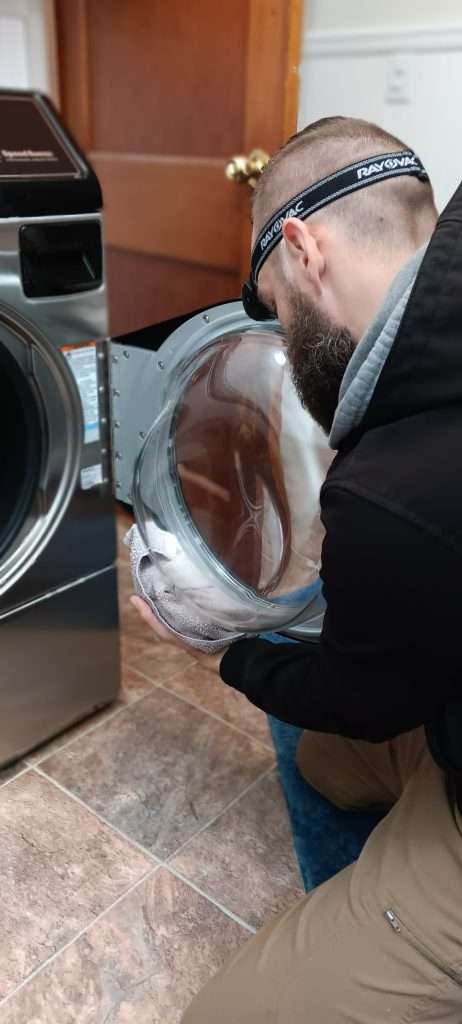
143 609
209 661
147 615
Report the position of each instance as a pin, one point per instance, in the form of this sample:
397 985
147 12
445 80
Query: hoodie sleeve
380 667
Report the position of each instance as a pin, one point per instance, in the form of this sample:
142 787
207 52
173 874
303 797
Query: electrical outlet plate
397 88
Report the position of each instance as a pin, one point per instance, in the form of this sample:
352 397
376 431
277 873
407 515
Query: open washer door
226 487
41 437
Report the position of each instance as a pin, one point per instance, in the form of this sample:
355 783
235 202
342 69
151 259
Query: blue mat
325 838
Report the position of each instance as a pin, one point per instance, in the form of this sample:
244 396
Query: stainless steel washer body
58 597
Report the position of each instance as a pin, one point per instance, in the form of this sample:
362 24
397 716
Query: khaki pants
380 942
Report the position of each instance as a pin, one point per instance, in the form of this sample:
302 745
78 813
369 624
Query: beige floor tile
245 860
160 770
130 623
124 576
123 564
135 639
124 583
59 868
133 647
69 735
157 660
142 962
127 615
125 588
122 550
133 686
207 690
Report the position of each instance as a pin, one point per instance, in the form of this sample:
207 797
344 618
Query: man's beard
319 353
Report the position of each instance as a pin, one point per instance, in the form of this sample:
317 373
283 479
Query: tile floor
142 847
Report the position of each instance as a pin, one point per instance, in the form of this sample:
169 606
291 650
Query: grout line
224 910
157 864
215 818
123 835
134 842
107 910
200 707
157 860
85 731
132 665
17 776
36 766
78 935
175 672
96 814
92 727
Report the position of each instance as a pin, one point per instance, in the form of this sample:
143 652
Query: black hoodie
390 654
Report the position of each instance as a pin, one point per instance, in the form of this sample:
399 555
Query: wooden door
160 93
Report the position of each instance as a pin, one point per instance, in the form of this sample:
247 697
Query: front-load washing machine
223 467
58 597
222 464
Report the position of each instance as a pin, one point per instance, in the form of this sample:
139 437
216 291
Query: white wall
331 15
406 77
28 46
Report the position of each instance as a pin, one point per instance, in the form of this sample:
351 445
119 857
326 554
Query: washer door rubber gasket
21 448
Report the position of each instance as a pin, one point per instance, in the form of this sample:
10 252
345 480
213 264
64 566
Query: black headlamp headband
335 186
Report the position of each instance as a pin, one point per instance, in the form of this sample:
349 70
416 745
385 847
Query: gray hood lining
370 355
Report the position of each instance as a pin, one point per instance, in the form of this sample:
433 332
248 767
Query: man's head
329 274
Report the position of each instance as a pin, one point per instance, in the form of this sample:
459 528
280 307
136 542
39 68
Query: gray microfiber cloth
174 590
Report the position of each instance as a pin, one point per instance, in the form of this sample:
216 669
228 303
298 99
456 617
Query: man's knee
317 766
337 769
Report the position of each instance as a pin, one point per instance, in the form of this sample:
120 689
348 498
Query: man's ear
305 260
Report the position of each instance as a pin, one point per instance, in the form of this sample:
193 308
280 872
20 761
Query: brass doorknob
247 169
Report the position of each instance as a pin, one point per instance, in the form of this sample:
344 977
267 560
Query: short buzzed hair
389 211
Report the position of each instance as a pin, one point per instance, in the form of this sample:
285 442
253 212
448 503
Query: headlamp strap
335 186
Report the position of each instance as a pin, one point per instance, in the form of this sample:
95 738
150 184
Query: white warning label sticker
83 363
91 476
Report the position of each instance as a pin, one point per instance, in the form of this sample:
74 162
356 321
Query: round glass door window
41 436
231 474
21 450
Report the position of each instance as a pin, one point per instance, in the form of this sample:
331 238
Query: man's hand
211 662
